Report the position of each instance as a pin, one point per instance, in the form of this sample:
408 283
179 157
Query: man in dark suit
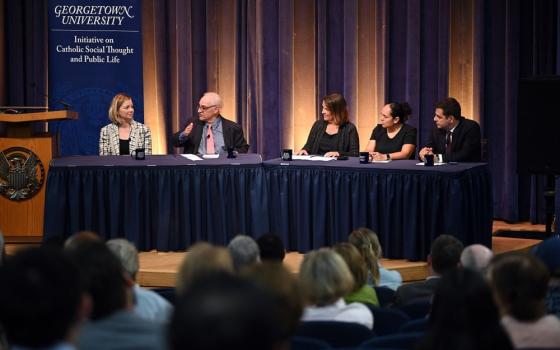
445 255
456 138
210 133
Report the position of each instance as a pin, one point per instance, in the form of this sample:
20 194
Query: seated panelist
334 135
392 138
124 134
454 137
210 133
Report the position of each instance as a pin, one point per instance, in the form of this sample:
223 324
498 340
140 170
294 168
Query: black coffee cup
286 154
429 160
138 154
231 152
364 157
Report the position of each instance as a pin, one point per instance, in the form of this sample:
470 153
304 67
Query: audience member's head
284 287
520 283
445 254
367 243
79 238
221 311
127 254
355 263
105 279
476 257
549 253
202 259
41 298
464 315
271 247
244 251
324 277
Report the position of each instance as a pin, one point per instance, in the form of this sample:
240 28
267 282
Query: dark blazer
422 290
348 141
466 142
233 136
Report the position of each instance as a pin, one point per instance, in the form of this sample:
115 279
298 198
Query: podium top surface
38 116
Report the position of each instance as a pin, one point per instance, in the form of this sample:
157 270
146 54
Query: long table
314 204
169 202
165 202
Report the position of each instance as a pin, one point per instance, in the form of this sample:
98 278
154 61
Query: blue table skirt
164 203
318 204
169 203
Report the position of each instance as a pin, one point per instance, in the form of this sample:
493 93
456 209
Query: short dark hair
103 275
520 281
446 253
271 247
220 311
39 284
450 107
401 110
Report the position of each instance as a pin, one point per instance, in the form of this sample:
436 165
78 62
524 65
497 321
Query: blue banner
95 51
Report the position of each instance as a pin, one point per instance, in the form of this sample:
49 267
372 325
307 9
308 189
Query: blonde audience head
355 263
324 277
367 243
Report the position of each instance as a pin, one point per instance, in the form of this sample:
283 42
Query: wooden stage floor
158 269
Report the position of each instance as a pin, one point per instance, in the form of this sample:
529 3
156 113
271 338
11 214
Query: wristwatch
388 156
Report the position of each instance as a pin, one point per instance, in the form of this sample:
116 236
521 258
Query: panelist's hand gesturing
302 153
188 130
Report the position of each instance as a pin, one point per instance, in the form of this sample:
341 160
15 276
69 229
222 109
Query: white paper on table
296 157
191 156
210 156
434 164
381 161
322 159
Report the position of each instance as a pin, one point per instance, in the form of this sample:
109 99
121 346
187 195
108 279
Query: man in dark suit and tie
445 254
210 133
456 138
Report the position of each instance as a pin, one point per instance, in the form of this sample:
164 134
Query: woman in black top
334 135
392 138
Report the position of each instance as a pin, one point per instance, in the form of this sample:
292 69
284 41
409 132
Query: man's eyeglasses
204 108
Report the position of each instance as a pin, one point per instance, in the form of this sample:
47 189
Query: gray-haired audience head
476 257
244 251
127 254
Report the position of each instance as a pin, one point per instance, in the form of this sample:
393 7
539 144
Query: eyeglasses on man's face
204 108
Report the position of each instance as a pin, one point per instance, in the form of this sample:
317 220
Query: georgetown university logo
21 173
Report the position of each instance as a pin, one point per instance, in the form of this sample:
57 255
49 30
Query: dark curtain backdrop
273 60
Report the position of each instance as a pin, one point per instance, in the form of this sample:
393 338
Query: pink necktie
210 141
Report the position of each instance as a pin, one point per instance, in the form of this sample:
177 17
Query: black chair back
385 295
336 334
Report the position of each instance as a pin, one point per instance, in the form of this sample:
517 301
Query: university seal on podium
21 173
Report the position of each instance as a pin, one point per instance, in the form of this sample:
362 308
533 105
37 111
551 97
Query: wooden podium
21 218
